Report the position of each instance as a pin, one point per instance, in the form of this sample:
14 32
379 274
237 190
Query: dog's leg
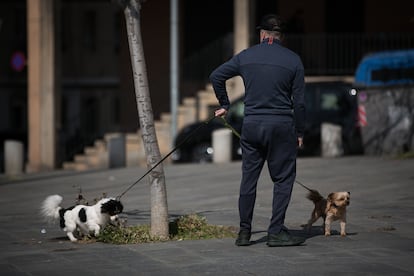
83 230
95 228
314 217
69 229
323 221
71 237
328 222
343 223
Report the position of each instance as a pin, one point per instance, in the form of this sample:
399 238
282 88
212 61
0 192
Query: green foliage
188 227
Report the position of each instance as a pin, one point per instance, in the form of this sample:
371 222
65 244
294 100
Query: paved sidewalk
380 225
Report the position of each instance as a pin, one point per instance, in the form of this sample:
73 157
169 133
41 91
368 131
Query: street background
380 239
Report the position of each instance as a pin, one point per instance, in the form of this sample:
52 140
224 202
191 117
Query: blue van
385 82
386 68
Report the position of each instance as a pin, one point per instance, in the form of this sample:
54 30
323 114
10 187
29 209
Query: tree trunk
159 209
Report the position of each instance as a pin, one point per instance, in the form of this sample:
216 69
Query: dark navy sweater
273 77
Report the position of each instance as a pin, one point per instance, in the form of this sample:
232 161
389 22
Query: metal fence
321 53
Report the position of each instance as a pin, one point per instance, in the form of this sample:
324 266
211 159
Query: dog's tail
314 196
50 208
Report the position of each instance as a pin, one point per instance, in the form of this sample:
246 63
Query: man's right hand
220 112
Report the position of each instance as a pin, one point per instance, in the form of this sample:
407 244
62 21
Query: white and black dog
81 219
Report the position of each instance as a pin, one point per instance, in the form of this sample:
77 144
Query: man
273 125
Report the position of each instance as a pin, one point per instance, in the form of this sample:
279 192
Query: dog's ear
112 207
331 197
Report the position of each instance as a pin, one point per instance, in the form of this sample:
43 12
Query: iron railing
321 53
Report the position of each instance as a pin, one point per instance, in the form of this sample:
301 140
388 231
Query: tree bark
159 209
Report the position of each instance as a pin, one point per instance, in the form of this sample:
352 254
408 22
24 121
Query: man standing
273 125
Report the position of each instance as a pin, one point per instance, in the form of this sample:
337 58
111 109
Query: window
329 102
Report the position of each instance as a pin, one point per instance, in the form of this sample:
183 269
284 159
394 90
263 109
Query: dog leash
166 156
230 127
309 189
180 144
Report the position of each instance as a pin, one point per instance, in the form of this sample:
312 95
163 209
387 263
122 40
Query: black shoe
243 239
283 239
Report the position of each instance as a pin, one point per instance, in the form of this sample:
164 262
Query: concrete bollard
116 150
13 157
222 145
331 140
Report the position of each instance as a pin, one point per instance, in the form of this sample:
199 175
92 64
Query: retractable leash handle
166 156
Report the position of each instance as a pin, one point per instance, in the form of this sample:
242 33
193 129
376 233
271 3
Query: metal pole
174 69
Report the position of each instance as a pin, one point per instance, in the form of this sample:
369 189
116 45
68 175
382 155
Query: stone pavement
380 225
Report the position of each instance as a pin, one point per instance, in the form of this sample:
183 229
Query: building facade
92 79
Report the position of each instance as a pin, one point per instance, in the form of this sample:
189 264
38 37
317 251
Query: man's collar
270 40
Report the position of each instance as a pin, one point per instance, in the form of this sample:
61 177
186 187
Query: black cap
271 22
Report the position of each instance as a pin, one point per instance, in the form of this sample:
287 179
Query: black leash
166 156
230 127
310 190
180 144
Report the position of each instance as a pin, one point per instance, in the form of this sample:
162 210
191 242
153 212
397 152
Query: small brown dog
330 209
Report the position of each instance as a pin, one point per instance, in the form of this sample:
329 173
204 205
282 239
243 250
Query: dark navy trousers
270 138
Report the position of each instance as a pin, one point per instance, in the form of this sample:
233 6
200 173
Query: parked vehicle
385 83
331 102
